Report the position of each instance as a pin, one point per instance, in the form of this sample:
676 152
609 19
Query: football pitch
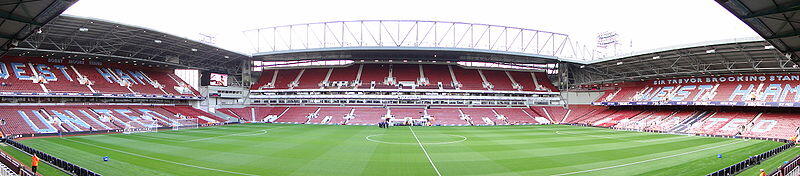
275 149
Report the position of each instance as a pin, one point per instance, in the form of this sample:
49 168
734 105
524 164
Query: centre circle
427 139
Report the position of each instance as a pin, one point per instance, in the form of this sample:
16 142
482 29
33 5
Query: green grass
773 162
43 169
269 149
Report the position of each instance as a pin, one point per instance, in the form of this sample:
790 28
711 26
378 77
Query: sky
641 24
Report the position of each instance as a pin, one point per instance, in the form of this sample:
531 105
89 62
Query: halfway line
426 152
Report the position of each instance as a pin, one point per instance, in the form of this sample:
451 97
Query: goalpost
151 126
188 123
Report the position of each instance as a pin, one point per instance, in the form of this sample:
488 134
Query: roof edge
679 47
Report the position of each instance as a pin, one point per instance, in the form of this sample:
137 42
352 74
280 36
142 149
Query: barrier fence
54 161
791 167
14 165
681 133
750 162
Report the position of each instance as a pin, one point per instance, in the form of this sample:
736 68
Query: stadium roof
776 21
73 37
407 53
410 39
21 18
743 55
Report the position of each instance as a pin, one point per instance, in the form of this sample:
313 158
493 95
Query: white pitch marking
263 132
157 159
665 139
234 134
426 152
559 132
157 138
644 161
640 141
463 138
197 131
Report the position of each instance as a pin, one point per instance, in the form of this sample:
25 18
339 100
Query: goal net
140 127
188 123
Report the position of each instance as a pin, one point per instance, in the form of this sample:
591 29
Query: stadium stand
405 73
253 114
406 76
525 81
544 81
480 116
723 121
712 94
516 115
402 113
614 118
79 118
447 116
86 78
728 90
498 79
367 115
332 115
373 115
556 113
468 78
277 79
343 77
190 112
373 73
312 78
438 74
264 80
298 115
774 124
666 120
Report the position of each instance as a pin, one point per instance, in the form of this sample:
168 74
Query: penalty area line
157 159
234 134
425 151
654 159
607 137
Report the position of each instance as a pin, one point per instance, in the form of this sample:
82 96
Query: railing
743 165
750 162
54 161
682 133
14 166
73 169
790 168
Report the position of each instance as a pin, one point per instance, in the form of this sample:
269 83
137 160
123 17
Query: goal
189 123
145 127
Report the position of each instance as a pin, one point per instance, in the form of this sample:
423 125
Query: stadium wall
581 98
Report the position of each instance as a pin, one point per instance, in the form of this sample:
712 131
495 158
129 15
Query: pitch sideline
607 137
158 159
653 159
